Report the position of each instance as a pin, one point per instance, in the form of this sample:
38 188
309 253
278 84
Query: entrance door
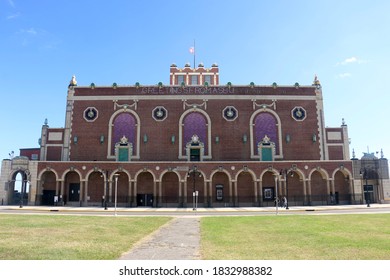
145 200
48 197
74 192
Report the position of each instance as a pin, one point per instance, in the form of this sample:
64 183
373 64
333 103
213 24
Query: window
207 79
180 79
194 80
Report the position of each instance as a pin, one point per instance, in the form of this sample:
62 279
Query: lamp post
365 192
194 173
286 173
276 194
116 175
106 188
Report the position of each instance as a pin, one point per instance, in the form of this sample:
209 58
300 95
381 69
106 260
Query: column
255 191
155 198
184 195
305 191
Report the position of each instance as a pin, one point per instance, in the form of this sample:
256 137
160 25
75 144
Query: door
74 192
145 200
48 197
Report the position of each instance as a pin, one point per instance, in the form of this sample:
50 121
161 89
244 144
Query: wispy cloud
31 31
351 60
13 16
11 3
344 75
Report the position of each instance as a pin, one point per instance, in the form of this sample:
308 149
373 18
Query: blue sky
43 43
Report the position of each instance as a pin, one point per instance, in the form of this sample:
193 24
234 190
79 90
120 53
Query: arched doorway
221 192
341 193
145 189
319 189
268 191
195 184
122 191
19 188
245 189
170 186
72 192
49 188
96 189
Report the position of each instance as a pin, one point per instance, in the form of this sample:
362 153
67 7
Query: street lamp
194 173
105 183
365 192
286 173
116 175
276 194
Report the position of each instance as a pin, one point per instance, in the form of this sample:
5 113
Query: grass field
314 237
295 237
42 237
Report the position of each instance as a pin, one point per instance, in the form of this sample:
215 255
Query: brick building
164 145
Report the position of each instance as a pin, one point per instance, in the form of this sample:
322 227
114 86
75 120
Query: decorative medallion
90 114
230 113
298 113
159 113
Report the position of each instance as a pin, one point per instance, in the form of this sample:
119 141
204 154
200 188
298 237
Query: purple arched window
124 125
265 124
195 123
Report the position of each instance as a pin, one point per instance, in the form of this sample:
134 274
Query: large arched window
124 127
265 123
194 123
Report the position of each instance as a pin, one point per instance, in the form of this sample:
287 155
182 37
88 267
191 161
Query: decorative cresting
266 149
264 106
195 149
125 106
194 105
123 150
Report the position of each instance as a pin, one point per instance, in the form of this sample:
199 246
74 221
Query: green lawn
42 237
295 237
314 237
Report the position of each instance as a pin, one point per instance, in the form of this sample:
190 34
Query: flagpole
194 54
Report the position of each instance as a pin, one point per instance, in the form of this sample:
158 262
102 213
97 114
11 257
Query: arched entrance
319 189
145 189
221 192
341 193
49 188
96 189
195 183
245 189
72 192
122 192
19 188
268 191
170 186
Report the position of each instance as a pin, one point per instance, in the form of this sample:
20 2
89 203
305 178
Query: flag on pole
192 50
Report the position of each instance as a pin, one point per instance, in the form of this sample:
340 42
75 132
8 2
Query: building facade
193 140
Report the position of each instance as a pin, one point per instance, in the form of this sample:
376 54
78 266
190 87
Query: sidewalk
199 211
177 240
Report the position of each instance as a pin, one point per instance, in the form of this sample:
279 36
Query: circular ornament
90 114
298 113
230 113
159 113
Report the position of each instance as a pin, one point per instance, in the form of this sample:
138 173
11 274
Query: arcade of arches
174 187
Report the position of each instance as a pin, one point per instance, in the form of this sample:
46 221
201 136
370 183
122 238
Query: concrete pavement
177 240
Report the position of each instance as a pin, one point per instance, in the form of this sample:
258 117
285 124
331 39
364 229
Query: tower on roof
188 76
